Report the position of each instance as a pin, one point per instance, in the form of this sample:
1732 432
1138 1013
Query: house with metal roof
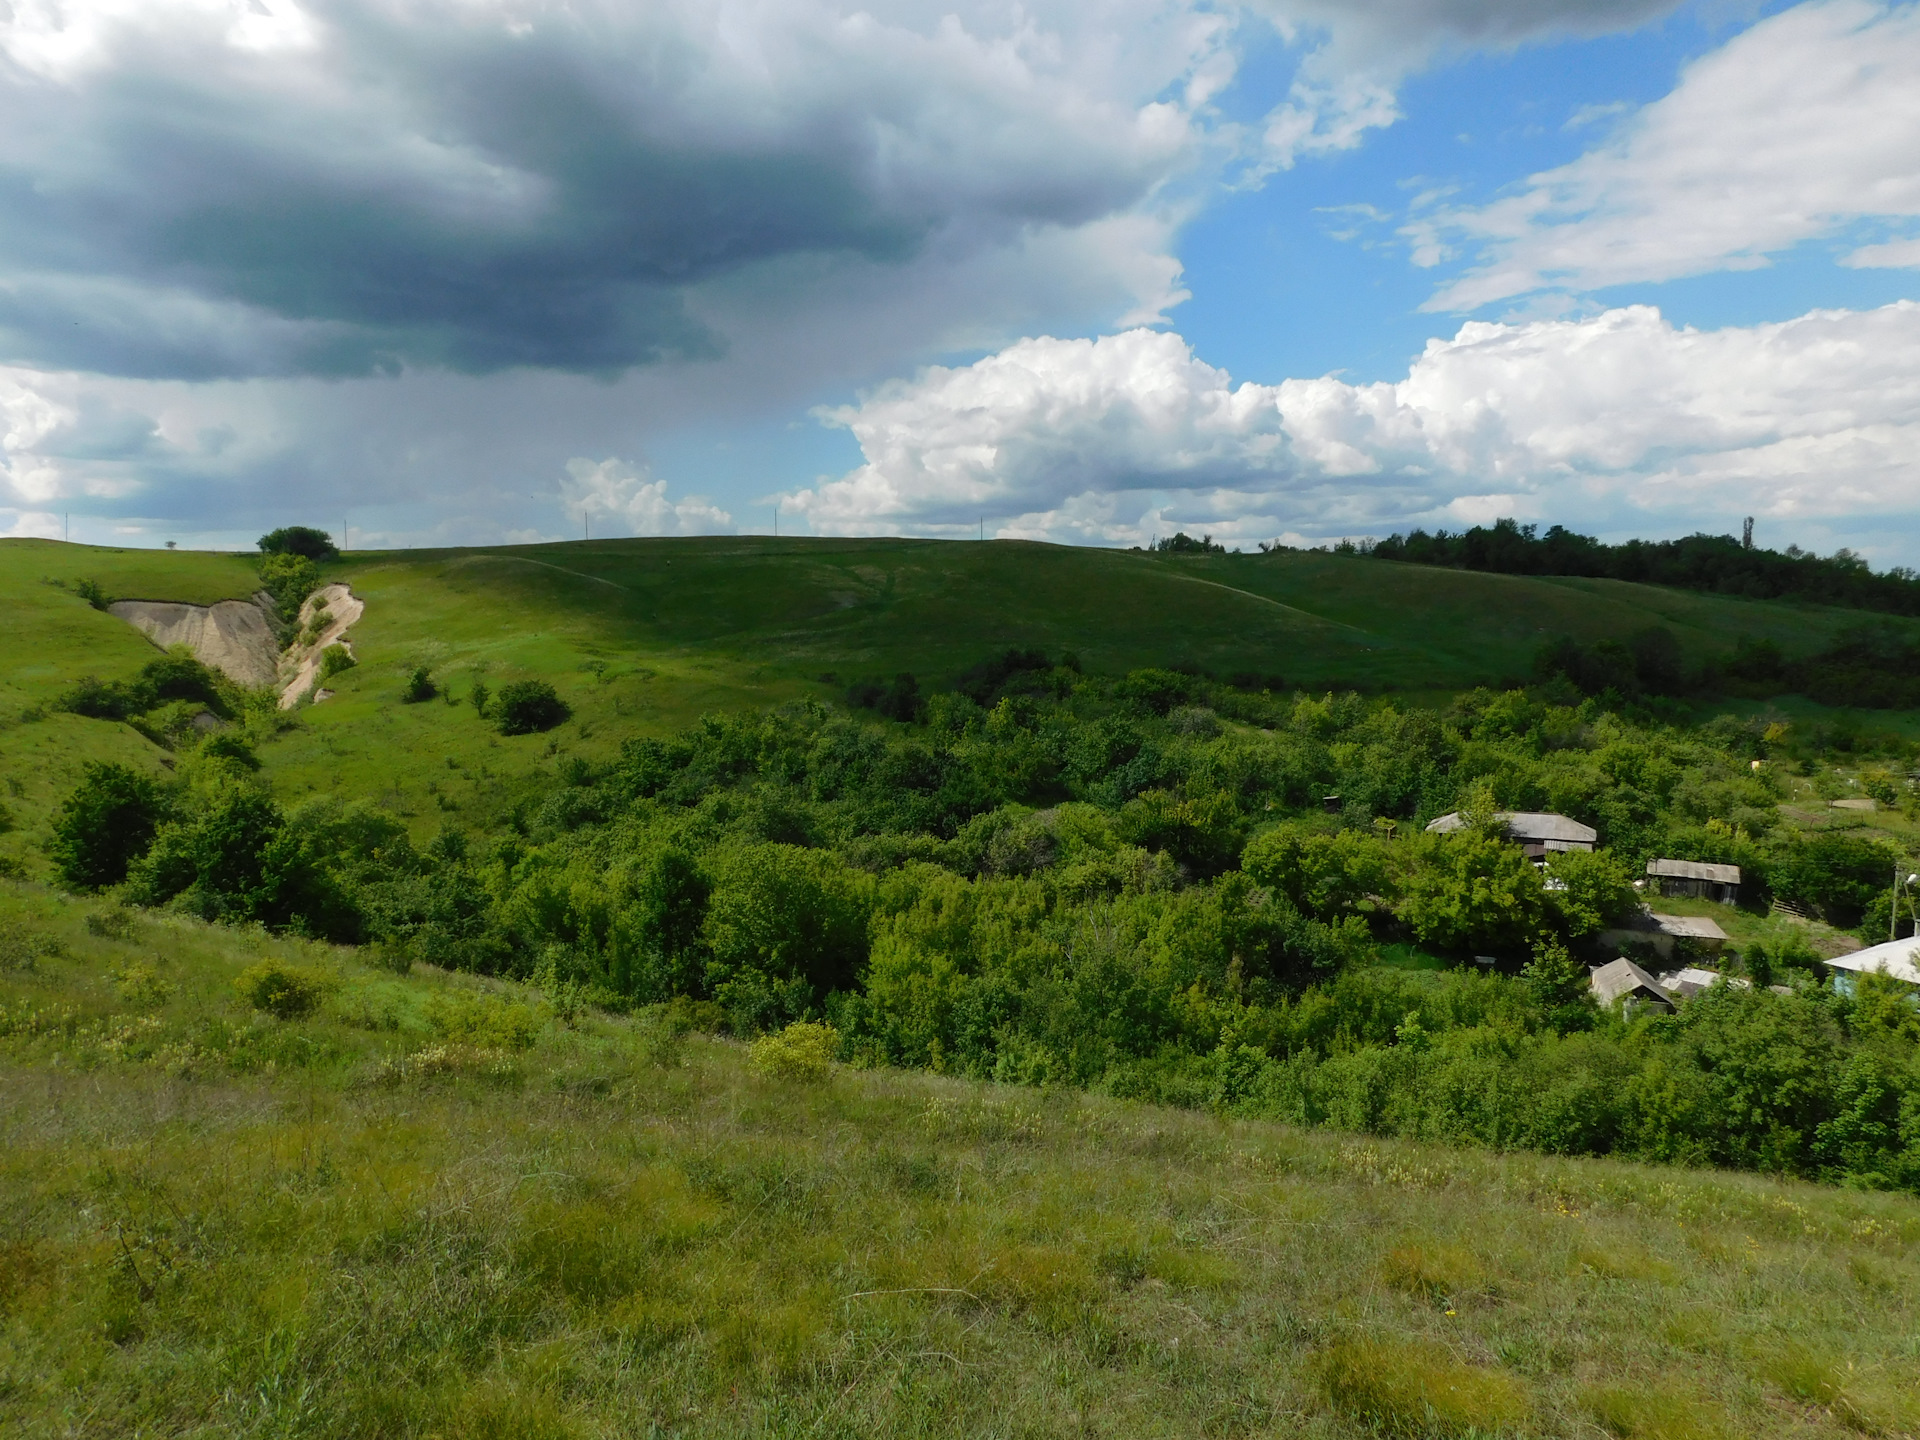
1696 878
1898 958
1538 833
1623 982
1685 983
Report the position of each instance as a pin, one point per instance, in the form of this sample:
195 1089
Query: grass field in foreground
644 636
432 1208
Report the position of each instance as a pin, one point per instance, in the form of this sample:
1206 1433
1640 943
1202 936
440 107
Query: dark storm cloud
494 186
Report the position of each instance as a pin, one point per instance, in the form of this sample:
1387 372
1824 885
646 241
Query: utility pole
776 520
1746 534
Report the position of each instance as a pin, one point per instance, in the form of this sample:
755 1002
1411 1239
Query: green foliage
289 578
92 592
335 659
527 706
300 540
1588 890
284 991
1560 987
174 677
1476 893
105 824
420 688
785 928
802 1053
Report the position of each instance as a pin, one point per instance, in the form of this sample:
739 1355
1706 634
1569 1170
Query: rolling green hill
433 1205
643 636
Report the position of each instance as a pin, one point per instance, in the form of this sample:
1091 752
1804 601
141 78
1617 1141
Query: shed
1538 833
1622 981
1898 958
1696 878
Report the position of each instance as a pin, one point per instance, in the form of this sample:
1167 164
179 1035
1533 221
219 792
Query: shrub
301 540
90 591
527 706
282 990
419 687
803 1052
230 750
479 695
106 824
334 659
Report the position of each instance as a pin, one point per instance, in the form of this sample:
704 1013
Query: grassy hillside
432 1207
643 636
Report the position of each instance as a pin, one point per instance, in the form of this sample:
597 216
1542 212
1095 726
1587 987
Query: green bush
334 659
91 592
803 1053
104 826
289 579
528 706
282 990
419 687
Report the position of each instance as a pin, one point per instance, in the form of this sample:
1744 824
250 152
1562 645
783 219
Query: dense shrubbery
1135 884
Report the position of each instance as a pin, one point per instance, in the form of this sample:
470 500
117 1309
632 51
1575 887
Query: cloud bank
1619 418
1801 128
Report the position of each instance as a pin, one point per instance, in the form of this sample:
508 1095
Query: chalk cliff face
234 636
299 668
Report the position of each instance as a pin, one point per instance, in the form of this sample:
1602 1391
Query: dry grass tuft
1653 1412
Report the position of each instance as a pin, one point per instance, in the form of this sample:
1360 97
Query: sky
437 272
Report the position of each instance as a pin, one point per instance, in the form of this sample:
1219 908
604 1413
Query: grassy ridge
432 1207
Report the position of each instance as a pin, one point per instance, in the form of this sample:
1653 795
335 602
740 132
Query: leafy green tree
302 540
1325 876
1591 890
1560 986
1476 892
289 578
528 706
786 927
105 825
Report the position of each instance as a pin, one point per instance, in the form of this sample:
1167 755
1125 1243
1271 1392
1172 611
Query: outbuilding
1696 878
1898 958
1660 933
1539 833
1622 981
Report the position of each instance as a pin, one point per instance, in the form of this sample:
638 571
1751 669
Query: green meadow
431 1204
644 636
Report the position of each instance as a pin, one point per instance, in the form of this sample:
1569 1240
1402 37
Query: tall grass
427 1206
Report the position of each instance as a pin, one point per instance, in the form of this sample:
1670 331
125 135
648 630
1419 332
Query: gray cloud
356 187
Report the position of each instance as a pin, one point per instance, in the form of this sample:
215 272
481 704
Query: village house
1898 958
1538 834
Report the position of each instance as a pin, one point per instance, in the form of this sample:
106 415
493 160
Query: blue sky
504 269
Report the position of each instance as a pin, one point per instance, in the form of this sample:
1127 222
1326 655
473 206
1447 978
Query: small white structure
1537 832
1623 982
1898 958
1686 983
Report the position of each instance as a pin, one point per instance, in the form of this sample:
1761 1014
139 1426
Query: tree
299 540
1561 986
1477 893
785 927
527 706
106 824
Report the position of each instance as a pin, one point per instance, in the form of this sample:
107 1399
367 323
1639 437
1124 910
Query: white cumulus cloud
1617 419
615 497
1799 128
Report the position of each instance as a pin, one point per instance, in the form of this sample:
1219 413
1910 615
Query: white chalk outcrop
235 637
300 666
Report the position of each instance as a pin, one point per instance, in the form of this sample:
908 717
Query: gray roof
1898 958
1688 927
1527 825
1694 870
1619 978
1692 980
